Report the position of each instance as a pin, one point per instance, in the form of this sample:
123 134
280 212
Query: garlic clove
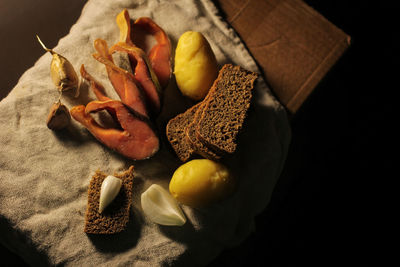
109 190
61 71
58 117
160 207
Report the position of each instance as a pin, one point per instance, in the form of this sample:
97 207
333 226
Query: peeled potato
195 65
201 182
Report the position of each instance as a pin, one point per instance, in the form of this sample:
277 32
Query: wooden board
293 44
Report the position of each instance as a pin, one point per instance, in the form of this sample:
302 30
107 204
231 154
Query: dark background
327 204
330 204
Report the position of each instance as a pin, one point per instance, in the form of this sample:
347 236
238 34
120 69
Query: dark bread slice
116 216
225 110
197 145
176 134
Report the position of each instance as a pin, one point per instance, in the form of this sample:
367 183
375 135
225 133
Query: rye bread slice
176 134
180 133
198 147
225 110
116 216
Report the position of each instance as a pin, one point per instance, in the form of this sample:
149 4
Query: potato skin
201 182
196 67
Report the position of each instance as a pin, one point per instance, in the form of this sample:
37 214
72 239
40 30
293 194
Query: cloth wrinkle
44 174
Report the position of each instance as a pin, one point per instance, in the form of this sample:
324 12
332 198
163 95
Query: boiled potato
201 182
195 65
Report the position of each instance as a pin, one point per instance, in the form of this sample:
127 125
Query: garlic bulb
61 71
161 207
109 190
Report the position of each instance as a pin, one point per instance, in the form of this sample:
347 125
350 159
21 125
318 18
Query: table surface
293 44
331 132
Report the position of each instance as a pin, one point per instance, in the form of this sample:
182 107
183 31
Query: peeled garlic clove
161 207
109 190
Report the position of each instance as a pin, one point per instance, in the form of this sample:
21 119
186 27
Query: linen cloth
44 175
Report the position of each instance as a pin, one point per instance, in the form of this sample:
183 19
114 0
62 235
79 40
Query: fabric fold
44 175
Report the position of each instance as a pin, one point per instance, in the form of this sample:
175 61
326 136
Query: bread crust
176 134
197 146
